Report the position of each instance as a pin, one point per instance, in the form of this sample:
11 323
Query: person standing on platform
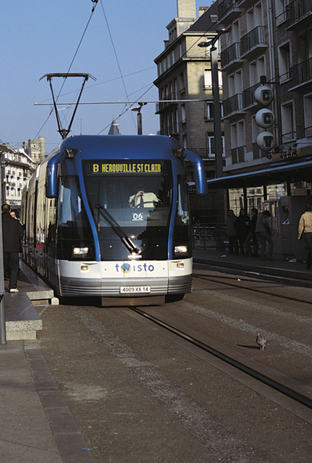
12 234
252 234
241 225
231 231
264 235
305 230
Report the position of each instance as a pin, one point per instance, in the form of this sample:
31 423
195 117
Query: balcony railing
308 131
248 96
233 104
168 129
227 7
297 10
302 73
257 152
231 54
238 154
289 136
253 39
162 105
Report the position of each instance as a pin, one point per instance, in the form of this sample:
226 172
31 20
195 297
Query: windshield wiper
117 229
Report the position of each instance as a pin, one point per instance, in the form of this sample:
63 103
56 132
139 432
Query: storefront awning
283 172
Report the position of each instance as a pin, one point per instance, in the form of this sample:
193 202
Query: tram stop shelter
285 210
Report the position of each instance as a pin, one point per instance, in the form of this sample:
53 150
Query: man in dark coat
241 226
12 234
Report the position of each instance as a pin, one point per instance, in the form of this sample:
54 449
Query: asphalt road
138 394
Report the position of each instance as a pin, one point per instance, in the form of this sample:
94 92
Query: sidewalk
280 270
35 423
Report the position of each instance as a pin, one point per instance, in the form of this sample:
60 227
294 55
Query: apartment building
16 169
184 81
269 43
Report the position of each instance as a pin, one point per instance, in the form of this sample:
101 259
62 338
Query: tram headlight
180 250
80 252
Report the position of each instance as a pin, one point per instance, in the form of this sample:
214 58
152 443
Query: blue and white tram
109 216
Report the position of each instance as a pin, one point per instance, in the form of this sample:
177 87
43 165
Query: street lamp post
217 129
217 110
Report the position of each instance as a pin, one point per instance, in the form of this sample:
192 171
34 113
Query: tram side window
71 216
183 213
181 237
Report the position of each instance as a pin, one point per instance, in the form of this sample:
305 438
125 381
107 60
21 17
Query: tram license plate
134 289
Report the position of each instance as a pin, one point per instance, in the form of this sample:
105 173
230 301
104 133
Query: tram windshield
131 204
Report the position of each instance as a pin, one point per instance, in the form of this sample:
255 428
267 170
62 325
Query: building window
288 122
208 79
284 62
238 143
210 110
256 69
235 83
181 50
211 145
183 114
254 17
280 11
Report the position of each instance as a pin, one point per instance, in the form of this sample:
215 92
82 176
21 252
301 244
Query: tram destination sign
123 167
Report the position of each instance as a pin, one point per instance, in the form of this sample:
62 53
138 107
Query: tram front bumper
106 280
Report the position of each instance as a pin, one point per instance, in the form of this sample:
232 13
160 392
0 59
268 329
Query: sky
117 44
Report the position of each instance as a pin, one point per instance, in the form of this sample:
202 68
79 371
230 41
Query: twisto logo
127 268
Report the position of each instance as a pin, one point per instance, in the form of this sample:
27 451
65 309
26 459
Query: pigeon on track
261 341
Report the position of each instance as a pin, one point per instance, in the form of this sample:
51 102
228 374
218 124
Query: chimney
202 10
186 8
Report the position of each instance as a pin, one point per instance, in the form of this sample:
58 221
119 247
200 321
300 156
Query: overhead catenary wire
114 49
119 67
152 84
72 62
126 109
106 82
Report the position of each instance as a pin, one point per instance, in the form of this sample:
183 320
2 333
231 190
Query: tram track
250 289
278 277
300 395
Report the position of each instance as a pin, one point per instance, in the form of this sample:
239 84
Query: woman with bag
305 230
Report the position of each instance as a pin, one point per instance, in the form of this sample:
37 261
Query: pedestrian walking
264 234
305 231
231 231
252 237
12 234
241 225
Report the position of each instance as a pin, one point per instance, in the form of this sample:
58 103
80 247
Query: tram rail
240 285
288 387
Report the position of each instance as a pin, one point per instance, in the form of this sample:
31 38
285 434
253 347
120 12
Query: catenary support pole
2 315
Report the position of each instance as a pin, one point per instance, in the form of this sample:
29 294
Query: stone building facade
16 169
35 148
269 42
184 82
